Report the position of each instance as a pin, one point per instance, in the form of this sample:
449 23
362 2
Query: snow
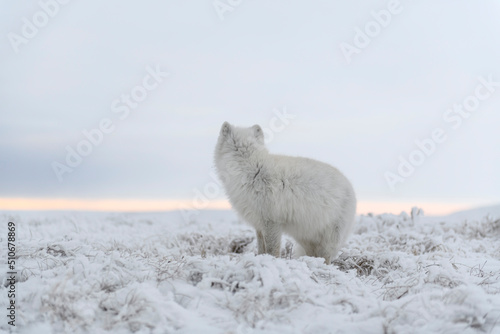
493 211
158 273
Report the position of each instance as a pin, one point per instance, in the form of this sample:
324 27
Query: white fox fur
307 199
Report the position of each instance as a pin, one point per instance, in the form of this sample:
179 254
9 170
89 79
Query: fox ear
226 129
258 133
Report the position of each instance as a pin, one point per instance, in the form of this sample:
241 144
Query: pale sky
75 67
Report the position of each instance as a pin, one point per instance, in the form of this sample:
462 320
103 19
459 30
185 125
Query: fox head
240 141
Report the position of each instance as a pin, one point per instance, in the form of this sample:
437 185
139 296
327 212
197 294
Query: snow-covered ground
157 273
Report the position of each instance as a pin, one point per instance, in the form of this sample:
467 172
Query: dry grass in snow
155 273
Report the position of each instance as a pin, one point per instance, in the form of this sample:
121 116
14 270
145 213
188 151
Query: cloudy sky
122 101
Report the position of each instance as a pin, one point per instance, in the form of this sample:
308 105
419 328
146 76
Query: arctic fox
307 199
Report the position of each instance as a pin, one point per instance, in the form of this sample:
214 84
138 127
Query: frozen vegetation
157 273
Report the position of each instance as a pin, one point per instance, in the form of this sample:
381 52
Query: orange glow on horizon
125 205
141 205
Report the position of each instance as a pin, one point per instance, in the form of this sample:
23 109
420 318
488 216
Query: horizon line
141 205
